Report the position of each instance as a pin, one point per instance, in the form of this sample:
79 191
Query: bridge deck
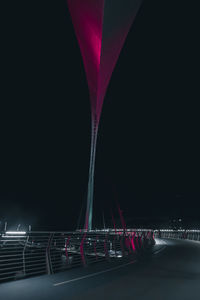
172 272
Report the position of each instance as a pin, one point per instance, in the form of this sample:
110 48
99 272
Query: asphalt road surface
171 272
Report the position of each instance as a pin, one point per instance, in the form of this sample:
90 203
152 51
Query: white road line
94 274
161 249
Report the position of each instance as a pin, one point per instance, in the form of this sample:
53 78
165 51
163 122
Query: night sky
148 147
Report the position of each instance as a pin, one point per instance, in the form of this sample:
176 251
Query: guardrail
24 254
193 235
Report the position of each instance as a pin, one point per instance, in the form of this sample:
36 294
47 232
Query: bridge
167 270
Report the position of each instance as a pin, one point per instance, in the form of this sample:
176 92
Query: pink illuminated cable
82 248
132 243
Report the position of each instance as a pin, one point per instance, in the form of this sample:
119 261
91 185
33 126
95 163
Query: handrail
35 253
186 234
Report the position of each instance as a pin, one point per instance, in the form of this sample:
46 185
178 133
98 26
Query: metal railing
193 235
24 254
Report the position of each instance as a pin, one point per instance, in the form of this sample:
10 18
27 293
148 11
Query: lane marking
161 249
94 274
105 271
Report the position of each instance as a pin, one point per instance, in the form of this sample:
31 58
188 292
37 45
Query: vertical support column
95 247
24 259
105 247
48 255
90 195
66 251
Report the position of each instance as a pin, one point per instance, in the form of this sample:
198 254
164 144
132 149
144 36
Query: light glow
16 232
159 242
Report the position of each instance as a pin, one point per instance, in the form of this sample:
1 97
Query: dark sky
148 147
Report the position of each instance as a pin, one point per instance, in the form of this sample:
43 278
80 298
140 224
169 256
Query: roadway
171 272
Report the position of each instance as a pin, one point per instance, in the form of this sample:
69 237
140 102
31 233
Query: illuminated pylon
101 27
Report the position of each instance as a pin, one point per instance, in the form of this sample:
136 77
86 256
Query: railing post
48 255
114 242
66 251
95 249
24 250
82 252
105 247
122 245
